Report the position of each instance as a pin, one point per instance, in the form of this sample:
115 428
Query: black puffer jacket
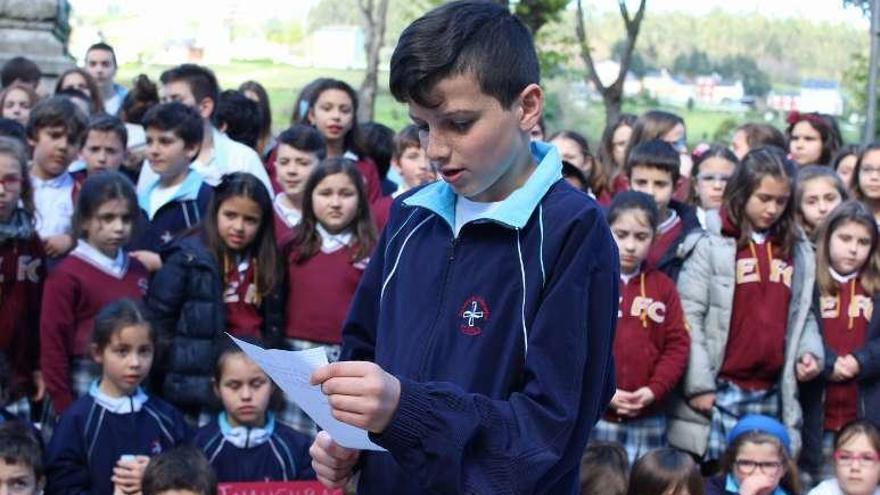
187 311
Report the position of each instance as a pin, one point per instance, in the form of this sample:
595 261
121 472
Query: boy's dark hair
12 129
140 99
18 445
304 138
263 249
604 468
20 69
307 241
377 144
464 37
201 80
655 153
97 190
570 171
408 137
185 122
115 316
107 123
634 200
182 468
239 117
103 47
57 111
263 104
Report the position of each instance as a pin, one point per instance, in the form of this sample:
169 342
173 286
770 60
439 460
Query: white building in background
814 95
336 47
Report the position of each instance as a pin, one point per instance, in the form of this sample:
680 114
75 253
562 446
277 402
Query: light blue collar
188 190
732 486
244 437
515 210
119 405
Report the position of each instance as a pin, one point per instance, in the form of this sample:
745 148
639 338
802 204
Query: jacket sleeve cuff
407 427
659 390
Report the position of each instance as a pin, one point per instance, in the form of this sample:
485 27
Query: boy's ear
216 387
529 106
192 151
96 353
205 108
395 164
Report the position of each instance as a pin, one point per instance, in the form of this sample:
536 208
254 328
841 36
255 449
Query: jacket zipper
429 344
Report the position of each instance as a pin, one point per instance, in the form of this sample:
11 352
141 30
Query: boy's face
168 154
54 150
99 64
17 479
414 167
180 91
480 148
293 168
103 150
655 182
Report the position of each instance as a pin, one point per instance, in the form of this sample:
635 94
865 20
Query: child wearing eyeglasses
757 460
856 462
712 169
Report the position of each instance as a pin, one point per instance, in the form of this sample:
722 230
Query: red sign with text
276 488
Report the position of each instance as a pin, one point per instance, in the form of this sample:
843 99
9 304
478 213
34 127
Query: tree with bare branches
612 95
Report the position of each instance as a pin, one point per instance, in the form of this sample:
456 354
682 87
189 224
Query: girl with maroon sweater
651 343
96 272
325 261
847 281
22 272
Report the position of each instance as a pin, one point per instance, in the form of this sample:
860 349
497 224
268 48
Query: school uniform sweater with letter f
500 334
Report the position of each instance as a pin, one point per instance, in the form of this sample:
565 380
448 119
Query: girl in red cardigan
22 272
651 344
96 272
325 261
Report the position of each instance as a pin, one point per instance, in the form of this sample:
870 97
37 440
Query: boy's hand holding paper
360 393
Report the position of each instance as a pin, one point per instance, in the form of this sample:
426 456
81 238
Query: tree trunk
374 38
612 95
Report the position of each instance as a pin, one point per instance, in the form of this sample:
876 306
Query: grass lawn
283 83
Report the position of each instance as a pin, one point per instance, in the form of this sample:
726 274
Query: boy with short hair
101 65
477 349
21 459
54 132
300 149
20 69
376 142
180 471
653 168
196 87
103 148
410 160
177 198
238 117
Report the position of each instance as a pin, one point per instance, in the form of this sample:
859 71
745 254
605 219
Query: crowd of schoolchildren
135 231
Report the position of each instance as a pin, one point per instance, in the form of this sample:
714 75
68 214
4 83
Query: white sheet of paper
290 370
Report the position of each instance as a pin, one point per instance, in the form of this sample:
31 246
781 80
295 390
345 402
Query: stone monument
38 30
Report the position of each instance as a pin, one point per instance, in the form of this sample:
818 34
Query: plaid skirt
292 415
732 403
637 436
82 373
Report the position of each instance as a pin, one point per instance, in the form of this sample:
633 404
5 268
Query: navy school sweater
501 338
273 453
90 438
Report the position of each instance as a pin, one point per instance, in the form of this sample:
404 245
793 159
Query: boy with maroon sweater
651 343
